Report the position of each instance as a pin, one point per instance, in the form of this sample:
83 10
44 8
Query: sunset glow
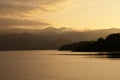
76 14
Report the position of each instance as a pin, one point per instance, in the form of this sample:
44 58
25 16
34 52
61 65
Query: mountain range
48 38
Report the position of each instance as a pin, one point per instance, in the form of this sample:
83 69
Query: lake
57 65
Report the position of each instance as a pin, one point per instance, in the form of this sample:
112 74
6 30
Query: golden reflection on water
46 65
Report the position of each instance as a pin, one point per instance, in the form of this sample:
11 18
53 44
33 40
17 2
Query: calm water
51 65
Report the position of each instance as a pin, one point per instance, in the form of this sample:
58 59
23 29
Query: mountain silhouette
48 38
110 44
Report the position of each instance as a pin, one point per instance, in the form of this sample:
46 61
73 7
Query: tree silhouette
111 44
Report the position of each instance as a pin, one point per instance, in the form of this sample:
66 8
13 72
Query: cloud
18 7
9 23
13 13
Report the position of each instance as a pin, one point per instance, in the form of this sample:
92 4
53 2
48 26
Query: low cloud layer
13 8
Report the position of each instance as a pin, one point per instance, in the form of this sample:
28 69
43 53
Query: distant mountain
48 38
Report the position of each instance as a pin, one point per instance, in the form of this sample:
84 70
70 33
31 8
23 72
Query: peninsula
110 44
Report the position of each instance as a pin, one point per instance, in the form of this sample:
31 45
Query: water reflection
111 55
41 65
96 54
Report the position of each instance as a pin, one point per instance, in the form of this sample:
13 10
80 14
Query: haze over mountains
48 38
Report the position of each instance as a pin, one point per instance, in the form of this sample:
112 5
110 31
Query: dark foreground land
110 44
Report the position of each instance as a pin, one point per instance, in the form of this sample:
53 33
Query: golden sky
76 14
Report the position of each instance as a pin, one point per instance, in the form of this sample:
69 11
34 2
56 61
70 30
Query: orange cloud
14 8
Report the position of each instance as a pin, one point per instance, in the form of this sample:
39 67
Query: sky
76 14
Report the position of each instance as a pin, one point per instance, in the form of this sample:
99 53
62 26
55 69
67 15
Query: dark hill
48 38
110 44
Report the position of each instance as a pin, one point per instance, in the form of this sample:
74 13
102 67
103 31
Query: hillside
49 38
